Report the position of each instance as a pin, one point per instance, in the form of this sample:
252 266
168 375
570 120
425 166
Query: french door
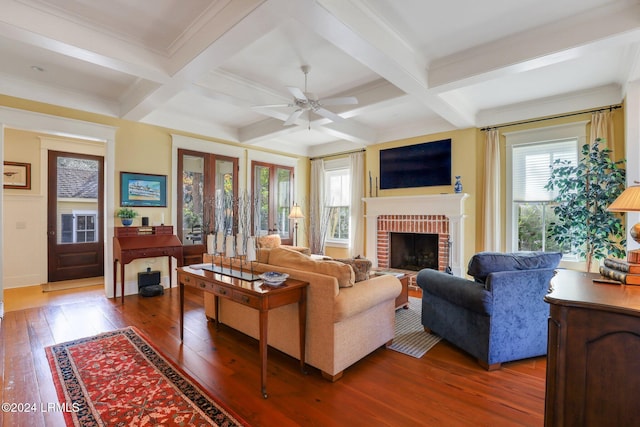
207 192
75 205
273 194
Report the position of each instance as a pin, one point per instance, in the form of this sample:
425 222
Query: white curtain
491 208
356 231
316 208
602 127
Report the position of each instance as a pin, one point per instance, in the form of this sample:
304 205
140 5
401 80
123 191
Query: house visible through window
79 227
338 195
531 204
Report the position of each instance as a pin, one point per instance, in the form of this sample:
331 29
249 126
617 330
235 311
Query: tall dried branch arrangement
320 216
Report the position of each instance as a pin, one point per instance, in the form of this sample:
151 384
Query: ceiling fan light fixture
309 102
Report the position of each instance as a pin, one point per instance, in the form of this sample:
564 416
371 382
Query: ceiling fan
307 101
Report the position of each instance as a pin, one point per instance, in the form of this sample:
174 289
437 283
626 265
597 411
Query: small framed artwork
17 175
143 190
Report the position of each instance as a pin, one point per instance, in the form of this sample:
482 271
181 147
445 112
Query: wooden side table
253 294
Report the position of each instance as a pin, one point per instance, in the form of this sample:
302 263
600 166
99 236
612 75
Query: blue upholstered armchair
499 317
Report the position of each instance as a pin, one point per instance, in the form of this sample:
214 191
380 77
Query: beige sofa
346 320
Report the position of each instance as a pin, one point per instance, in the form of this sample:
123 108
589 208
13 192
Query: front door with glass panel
74 216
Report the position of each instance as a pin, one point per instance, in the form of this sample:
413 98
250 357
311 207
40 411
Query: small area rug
410 337
119 378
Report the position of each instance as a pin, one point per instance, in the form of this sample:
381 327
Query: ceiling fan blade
345 100
293 117
257 107
297 93
328 114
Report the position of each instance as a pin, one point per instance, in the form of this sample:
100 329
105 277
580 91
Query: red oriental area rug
119 378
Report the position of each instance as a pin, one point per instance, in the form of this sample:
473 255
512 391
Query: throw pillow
484 263
361 267
269 241
289 258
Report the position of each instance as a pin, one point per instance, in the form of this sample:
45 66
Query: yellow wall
138 148
618 153
145 148
464 154
25 148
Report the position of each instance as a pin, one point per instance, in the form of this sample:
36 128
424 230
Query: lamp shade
628 201
296 212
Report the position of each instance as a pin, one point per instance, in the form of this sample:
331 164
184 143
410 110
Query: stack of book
621 270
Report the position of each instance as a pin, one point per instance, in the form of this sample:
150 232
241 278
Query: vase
126 221
457 187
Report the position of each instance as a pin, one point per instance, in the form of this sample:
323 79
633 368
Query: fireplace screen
413 251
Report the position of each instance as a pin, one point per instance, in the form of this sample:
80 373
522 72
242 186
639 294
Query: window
530 209
273 194
532 203
338 191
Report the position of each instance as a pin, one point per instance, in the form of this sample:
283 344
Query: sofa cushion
289 258
269 241
484 263
361 267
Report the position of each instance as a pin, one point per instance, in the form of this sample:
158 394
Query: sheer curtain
491 208
602 127
317 212
356 222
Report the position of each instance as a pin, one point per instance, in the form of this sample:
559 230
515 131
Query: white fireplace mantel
449 205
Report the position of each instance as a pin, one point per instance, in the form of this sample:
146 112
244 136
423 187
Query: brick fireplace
437 225
440 214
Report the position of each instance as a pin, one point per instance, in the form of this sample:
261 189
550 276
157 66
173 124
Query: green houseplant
584 192
126 215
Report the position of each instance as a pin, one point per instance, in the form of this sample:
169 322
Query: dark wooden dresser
593 360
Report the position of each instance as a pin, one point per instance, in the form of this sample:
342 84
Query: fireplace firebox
413 251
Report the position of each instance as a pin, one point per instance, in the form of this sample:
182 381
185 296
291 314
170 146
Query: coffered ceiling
416 66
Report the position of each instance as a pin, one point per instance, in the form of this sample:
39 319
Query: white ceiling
416 66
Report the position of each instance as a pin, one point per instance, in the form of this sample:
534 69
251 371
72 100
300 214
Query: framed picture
140 189
17 175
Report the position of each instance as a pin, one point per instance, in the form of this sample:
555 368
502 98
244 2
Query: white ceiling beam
356 29
241 34
33 27
546 45
28 89
349 130
576 101
264 130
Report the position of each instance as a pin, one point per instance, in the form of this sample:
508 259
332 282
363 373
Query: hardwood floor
446 387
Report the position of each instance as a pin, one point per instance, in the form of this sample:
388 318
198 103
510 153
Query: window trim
577 130
332 166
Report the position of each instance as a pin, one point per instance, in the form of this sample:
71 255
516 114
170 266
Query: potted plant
584 192
126 215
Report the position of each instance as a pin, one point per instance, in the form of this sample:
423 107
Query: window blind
532 168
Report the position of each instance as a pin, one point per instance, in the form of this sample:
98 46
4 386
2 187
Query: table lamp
296 214
629 201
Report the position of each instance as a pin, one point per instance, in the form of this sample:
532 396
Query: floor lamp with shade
295 215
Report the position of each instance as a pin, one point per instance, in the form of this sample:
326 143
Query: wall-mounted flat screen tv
420 165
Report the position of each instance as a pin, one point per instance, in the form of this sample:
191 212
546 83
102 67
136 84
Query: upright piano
131 243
